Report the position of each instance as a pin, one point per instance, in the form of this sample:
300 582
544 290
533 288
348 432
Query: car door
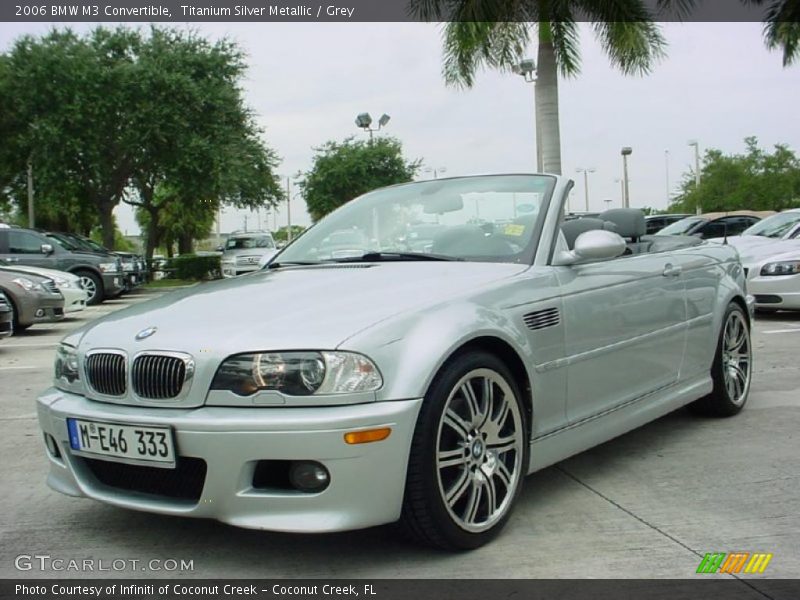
25 248
624 323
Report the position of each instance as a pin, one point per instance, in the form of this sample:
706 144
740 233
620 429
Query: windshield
488 218
682 226
238 243
64 242
775 226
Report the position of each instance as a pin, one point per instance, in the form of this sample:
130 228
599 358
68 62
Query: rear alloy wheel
468 456
93 286
732 367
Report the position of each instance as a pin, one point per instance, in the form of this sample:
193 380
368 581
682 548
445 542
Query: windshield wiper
396 256
292 263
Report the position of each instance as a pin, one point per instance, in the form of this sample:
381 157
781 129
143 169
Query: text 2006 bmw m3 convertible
399 378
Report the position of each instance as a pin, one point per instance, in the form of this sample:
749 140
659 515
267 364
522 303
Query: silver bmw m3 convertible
410 358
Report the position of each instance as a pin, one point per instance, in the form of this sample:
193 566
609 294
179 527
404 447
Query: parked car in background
782 226
100 273
33 299
327 393
244 251
713 225
69 285
656 223
773 274
6 317
134 266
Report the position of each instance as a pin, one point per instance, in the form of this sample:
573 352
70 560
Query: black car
100 273
711 225
656 223
134 267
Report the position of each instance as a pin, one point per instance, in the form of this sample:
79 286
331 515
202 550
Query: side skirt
577 437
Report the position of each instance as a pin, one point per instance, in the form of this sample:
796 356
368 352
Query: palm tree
495 34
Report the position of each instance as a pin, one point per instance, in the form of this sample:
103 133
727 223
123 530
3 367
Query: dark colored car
6 317
100 273
134 267
33 299
656 223
711 225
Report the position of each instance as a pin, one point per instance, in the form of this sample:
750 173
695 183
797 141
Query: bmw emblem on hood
146 333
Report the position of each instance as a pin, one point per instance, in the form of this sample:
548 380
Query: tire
93 285
465 471
15 324
732 368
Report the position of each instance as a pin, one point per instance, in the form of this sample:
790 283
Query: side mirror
592 246
47 249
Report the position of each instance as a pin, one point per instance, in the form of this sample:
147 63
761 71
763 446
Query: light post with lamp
585 182
696 145
527 69
364 120
626 197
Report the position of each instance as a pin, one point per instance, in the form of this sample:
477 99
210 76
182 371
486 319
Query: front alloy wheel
732 368
468 456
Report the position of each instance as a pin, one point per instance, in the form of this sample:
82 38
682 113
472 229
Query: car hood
756 253
316 307
47 273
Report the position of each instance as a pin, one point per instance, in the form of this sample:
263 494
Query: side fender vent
539 319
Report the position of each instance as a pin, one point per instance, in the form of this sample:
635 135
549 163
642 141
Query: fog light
309 476
40 312
52 446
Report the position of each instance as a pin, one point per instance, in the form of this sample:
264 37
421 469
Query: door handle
671 270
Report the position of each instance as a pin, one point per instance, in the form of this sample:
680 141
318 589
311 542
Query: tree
755 180
282 234
487 33
782 27
342 171
200 145
113 115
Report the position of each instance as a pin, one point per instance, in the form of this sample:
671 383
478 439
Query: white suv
245 252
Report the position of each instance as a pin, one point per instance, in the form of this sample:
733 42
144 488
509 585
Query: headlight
298 373
67 374
25 283
787 267
108 267
62 283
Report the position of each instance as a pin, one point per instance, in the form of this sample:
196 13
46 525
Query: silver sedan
400 383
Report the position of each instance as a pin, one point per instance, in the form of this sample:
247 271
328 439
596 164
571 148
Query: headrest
573 228
629 221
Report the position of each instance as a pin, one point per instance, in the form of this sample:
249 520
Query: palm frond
782 29
470 46
566 46
678 9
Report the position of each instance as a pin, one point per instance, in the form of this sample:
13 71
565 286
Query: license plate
128 443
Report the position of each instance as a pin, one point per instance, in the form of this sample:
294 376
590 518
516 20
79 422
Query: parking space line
40 345
17 368
792 330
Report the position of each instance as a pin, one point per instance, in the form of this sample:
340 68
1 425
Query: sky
308 81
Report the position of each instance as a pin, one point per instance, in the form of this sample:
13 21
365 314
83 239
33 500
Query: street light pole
289 208
666 171
626 197
696 145
585 182
364 120
31 215
527 69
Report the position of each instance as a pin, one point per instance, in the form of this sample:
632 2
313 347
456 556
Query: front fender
411 349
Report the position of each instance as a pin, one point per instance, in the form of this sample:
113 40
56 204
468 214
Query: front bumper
112 284
45 309
781 292
367 481
6 324
74 299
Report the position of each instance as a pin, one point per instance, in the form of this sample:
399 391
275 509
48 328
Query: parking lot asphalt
648 504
